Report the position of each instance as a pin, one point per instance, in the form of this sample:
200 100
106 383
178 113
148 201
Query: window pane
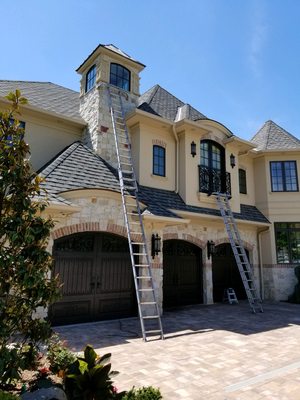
159 160
119 76
242 181
282 247
90 78
295 246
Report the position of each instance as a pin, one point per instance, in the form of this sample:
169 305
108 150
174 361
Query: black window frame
90 78
283 176
119 76
159 161
242 181
287 231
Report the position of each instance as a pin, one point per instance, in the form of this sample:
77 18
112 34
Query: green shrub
144 393
59 356
8 396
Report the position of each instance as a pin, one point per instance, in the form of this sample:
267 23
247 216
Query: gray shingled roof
160 202
159 101
77 167
46 96
272 137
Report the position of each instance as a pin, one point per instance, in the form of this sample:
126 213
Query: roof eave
190 214
134 115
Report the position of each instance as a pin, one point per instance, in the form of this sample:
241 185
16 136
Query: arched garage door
226 273
182 274
95 271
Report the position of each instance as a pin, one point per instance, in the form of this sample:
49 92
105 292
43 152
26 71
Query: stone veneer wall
279 281
94 109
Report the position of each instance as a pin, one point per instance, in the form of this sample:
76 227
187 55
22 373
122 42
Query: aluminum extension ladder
140 261
239 252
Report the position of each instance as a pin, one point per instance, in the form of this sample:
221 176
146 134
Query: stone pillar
207 278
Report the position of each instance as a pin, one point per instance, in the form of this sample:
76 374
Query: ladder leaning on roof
140 261
239 252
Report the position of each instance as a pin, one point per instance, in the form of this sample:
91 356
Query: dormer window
90 78
119 76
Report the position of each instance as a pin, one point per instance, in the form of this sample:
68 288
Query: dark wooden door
182 274
225 273
96 276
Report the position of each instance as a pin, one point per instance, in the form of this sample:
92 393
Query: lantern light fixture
211 248
155 245
232 160
193 149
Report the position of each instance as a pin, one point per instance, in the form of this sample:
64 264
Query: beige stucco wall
47 135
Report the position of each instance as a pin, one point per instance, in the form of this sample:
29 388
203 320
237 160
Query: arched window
90 78
212 174
159 160
119 76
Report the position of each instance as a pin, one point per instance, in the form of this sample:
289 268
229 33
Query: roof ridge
39 82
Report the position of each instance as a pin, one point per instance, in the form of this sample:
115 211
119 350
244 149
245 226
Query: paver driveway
210 352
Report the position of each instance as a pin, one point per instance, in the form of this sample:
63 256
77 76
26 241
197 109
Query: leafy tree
25 264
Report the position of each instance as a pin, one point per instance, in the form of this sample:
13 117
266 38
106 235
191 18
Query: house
179 156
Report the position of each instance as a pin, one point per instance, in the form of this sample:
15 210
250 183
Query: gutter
261 275
177 160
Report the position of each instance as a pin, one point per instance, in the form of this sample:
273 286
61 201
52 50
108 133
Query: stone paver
210 352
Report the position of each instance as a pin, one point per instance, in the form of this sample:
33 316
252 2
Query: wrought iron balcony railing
212 180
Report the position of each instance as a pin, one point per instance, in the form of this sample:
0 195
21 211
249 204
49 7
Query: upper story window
284 176
212 174
159 160
90 78
119 76
287 236
211 155
242 181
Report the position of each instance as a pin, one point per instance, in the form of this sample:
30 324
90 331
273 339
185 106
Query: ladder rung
139 243
142 265
147 303
139 254
144 277
146 290
154 331
151 317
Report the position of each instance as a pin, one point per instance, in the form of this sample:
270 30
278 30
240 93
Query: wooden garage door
96 277
182 274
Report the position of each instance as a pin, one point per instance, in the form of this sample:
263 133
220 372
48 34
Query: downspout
261 274
177 159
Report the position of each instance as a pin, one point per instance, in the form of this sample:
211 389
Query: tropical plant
25 264
144 393
90 378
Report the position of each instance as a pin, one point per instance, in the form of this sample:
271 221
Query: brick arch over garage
186 237
90 227
248 246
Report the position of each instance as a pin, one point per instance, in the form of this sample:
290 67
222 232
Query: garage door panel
74 275
115 274
96 274
72 311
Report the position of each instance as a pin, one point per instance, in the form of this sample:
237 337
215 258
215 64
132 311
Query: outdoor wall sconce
155 245
232 160
211 248
193 149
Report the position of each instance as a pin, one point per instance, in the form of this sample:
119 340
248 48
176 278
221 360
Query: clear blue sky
236 61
